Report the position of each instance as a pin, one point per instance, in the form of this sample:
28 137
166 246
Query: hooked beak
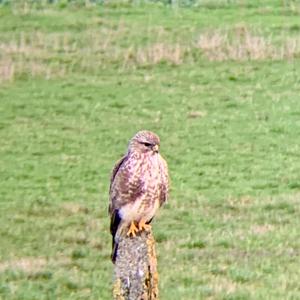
155 148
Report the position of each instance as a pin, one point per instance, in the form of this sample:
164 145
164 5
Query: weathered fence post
135 272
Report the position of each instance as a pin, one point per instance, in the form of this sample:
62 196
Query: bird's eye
147 144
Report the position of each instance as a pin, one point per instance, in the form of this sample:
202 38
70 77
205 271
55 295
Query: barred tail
114 250
114 225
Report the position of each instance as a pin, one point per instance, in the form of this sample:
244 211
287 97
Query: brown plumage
139 186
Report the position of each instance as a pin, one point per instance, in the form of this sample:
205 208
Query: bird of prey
139 186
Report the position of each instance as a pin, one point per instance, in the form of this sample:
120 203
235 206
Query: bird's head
144 142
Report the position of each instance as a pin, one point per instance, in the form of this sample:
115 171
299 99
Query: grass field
218 81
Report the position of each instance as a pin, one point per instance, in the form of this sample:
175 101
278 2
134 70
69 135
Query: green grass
229 130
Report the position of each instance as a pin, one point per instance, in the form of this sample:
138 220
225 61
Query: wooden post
135 273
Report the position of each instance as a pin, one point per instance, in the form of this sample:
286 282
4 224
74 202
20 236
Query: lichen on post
135 271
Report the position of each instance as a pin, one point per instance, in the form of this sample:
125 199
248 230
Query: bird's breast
144 189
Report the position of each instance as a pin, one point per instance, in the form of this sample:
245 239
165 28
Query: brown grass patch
7 70
261 229
155 54
74 208
33 265
241 44
27 265
55 55
223 284
196 114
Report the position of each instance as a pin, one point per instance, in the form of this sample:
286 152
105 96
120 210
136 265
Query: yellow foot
143 226
132 229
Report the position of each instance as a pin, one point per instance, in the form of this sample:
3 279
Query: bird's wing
126 186
115 218
112 179
164 188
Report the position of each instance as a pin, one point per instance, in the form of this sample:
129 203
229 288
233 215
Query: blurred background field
218 80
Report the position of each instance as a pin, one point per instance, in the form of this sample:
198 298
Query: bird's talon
143 226
132 229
